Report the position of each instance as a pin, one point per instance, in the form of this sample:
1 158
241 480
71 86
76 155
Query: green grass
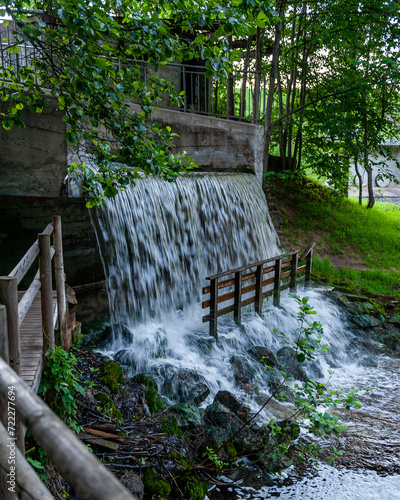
372 236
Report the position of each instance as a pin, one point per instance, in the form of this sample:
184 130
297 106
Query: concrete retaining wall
214 143
33 160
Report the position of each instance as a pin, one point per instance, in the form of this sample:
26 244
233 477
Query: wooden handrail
248 266
286 267
30 294
25 263
306 251
16 312
88 477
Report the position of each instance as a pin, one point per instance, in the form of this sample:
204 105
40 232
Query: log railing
276 273
16 307
88 477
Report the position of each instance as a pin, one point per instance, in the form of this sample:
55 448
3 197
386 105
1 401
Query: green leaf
300 357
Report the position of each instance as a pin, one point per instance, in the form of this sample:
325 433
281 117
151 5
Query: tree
86 63
320 72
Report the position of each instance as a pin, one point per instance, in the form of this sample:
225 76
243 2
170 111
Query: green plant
218 464
38 459
60 384
312 400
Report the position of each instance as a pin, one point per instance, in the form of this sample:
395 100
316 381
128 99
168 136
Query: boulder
186 386
113 332
133 483
126 357
228 400
287 362
263 355
225 424
243 372
187 415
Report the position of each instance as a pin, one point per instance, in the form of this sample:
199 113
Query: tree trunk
246 65
371 196
258 66
360 183
271 89
230 91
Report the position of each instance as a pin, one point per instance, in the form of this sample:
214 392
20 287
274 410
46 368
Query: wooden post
293 272
4 335
60 278
258 295
308 267
237 305
277 282
213 307
46 291
9 298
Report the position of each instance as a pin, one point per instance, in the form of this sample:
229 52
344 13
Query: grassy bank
356 248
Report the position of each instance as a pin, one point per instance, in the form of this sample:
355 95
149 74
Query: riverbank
356 249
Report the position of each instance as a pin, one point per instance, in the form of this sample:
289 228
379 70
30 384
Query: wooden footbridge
31 323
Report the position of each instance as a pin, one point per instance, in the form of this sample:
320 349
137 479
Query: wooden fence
17 306
284 271
89 478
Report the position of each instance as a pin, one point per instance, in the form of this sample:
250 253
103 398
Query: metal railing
240 96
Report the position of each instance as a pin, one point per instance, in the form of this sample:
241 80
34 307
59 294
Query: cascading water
158 242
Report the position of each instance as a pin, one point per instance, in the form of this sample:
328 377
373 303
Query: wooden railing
282 271
17 308
88 477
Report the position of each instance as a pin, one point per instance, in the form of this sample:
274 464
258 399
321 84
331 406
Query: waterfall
159 240
158 243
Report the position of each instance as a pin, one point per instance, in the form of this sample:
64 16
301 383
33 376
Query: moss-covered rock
191 487
187 415
155 488
153 399
112 376
108 405
170 426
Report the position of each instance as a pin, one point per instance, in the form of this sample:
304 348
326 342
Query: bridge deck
32 344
